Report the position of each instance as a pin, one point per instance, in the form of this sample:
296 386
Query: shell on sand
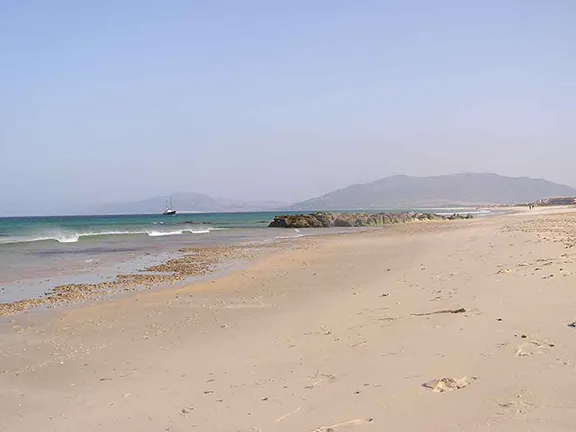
449 384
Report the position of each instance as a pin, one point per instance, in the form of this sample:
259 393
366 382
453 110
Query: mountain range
400 191
463 189
189 202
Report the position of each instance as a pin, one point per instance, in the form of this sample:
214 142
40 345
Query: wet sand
191 264
436 326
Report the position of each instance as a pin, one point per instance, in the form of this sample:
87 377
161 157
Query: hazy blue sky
113 100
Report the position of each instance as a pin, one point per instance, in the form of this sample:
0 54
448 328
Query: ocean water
38 253
71 229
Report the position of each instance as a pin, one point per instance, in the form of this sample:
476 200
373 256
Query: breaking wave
73 237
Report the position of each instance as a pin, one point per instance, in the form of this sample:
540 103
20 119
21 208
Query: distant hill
441 191
187 202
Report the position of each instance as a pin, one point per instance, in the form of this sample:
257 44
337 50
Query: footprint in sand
517 407
530 348
449 384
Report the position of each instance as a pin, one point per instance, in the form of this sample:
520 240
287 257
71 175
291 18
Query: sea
39 253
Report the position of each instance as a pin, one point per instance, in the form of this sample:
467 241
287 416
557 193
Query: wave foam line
177 232
74 237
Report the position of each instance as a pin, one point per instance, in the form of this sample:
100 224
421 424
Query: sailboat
169 209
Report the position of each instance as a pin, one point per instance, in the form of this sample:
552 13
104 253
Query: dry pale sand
348 333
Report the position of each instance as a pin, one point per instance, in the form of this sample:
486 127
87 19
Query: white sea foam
68 238
201 231
177 232
163 233
73 237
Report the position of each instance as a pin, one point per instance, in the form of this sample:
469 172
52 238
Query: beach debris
442 311
285 416
384 294
530 348
317 383
334 428
572 324
504 271
448 384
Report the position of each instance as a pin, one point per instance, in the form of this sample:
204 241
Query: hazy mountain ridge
183 202
402 191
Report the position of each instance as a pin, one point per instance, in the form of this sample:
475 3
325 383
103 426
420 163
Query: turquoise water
71 229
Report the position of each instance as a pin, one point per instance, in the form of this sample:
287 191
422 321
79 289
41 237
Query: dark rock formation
326 220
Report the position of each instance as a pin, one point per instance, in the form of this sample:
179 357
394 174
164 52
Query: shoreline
149 276
466 324
179 268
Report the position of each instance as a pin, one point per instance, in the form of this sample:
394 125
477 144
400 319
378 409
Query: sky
113 101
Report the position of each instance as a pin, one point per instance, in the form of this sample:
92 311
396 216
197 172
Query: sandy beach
432 326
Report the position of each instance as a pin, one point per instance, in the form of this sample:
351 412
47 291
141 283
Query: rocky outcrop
326 220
